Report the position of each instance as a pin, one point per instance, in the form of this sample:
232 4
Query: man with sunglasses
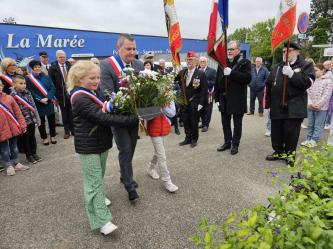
288 116
231 95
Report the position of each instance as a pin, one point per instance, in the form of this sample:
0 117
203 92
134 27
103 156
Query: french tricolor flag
285 22
217 32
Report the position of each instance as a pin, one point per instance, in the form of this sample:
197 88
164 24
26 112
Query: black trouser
126 138
253 96
29 140
226 123
190 117
206 114
67 116
285 134
42 129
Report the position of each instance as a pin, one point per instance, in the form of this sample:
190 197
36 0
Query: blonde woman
8 68
93 139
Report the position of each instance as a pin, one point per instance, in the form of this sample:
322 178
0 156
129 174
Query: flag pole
226 56
284 84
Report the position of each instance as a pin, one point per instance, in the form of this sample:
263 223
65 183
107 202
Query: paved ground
43 207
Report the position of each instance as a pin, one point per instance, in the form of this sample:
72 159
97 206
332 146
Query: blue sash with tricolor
7 79
38 85
24 102
9 114
117 64
106 106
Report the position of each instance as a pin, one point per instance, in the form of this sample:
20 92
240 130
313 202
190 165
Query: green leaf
244 232
314 196
225 246
308 240
208 238
232 218
264 245
315 232
252 220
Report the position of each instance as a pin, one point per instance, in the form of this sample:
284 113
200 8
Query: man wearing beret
231 95
287 117
44 59
193 87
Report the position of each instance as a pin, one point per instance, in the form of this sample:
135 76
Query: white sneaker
107 202
306 143
10 171
267 133
327 127
153 173
170 186
21 167
313 143
108 228
304 126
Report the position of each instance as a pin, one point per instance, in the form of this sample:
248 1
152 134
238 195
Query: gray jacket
109 78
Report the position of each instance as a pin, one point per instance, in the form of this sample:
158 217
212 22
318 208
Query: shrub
299 216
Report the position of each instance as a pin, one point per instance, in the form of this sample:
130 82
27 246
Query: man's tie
64 72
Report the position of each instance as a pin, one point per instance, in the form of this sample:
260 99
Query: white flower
128 69
119 93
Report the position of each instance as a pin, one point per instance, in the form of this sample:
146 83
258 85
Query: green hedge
299 216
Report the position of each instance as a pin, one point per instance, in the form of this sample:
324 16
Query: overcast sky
137 16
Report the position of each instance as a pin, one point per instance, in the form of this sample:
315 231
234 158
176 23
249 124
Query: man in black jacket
58 73
231 95
206 112
287 119
193 87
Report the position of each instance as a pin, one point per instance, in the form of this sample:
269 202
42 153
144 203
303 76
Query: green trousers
93 186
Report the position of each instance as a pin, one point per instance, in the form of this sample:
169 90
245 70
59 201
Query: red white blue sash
117 64
7 79
9 114
38 85
25 103
106 106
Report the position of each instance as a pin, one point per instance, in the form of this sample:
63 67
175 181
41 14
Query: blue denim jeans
9 152
316 122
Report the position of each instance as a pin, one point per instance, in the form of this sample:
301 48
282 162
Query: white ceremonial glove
199 107
227 71
287 70
218 104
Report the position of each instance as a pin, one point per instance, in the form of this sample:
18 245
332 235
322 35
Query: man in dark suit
163 69
193 87
149 56
112 70
206 112
231 95
287 119
58 73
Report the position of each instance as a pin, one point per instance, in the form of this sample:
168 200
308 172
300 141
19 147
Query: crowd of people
76 89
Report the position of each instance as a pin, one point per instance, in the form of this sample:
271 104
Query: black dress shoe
224 147
133 195
136 185
234 150
31 159
37 158
204 129
275 156
200 126
177 131
185 142
193 144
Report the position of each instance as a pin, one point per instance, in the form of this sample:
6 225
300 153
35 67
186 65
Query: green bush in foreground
300 216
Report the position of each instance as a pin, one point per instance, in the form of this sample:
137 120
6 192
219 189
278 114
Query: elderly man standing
112 70
206 112
287 117
44 59
259 75
231 95
58 73
193 87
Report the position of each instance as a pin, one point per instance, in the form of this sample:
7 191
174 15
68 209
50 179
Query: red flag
175 39
217 32
285 22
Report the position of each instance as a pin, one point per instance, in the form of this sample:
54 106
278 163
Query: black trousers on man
52 126
229 138
256 95
206 114
190 118
285 135
67 116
